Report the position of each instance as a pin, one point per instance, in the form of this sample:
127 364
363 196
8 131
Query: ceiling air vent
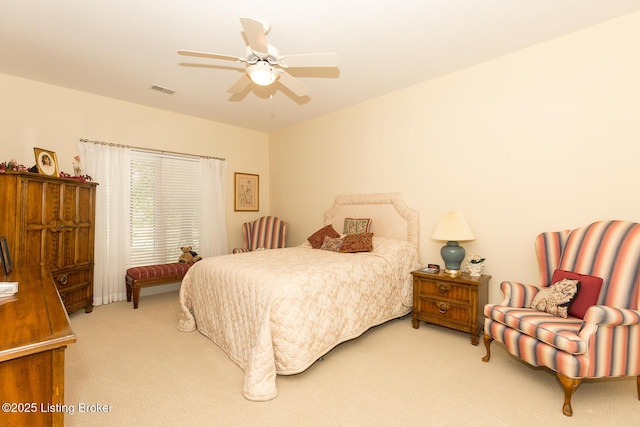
163 89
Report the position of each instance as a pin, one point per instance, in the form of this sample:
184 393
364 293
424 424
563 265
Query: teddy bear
188 255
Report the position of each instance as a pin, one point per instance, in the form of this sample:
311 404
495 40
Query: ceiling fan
264 63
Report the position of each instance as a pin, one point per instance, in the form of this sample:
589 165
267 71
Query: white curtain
213 198
109 166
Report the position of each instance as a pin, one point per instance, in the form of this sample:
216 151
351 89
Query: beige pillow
356 225
331 244
556 298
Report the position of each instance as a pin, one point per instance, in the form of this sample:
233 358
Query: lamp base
452 254
452 273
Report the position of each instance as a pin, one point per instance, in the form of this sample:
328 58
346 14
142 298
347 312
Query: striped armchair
268 232
606 341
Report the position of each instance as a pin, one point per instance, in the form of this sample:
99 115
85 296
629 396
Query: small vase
475 270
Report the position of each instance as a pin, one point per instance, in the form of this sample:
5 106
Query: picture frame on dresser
46 161
7 264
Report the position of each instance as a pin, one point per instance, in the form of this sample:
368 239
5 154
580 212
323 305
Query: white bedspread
277 311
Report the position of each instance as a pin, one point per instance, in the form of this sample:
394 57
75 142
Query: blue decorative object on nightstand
452 228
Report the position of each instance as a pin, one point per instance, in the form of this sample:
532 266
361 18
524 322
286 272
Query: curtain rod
152 150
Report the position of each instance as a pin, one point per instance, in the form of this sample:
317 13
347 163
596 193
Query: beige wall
543 139
34 114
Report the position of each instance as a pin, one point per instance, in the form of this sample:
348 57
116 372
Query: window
165 206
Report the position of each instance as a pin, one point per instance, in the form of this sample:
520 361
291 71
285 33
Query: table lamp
452 228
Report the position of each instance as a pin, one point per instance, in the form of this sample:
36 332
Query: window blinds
164 210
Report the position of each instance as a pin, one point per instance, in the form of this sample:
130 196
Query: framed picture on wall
246 192
7 264
46 161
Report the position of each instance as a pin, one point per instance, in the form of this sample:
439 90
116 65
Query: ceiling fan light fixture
262 73
264 63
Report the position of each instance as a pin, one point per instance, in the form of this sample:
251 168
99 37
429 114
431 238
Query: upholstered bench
151 275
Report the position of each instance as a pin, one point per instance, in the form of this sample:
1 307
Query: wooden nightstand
454 302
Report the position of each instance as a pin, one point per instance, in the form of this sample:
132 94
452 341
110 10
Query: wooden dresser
454 302
34 334
50 221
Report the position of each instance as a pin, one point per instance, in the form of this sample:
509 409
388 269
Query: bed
275 312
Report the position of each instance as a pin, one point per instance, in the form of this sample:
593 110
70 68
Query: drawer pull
63 279
444 287
443 307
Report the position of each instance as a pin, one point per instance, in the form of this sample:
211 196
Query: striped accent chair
606 341
268 232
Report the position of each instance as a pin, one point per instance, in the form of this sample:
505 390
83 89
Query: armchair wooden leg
638 385
569 385
487 343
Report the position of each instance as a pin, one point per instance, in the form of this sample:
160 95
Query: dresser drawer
75 287
443 289
443 311
70 279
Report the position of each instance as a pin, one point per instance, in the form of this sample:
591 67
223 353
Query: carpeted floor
135 369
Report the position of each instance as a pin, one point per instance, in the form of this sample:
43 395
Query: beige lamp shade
453 227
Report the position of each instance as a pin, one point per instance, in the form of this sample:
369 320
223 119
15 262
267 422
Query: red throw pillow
317 238
587 295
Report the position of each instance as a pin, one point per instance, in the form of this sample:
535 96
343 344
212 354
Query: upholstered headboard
390 217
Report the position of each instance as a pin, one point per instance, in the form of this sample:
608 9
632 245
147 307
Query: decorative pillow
317 238
332 244
357 243
556 298
356 225
587 296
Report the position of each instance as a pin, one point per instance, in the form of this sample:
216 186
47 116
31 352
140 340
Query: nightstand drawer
455 302
443 311
443 289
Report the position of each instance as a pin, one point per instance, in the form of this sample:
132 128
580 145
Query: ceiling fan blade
240 85
309 60
210 55
255 36
293 84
